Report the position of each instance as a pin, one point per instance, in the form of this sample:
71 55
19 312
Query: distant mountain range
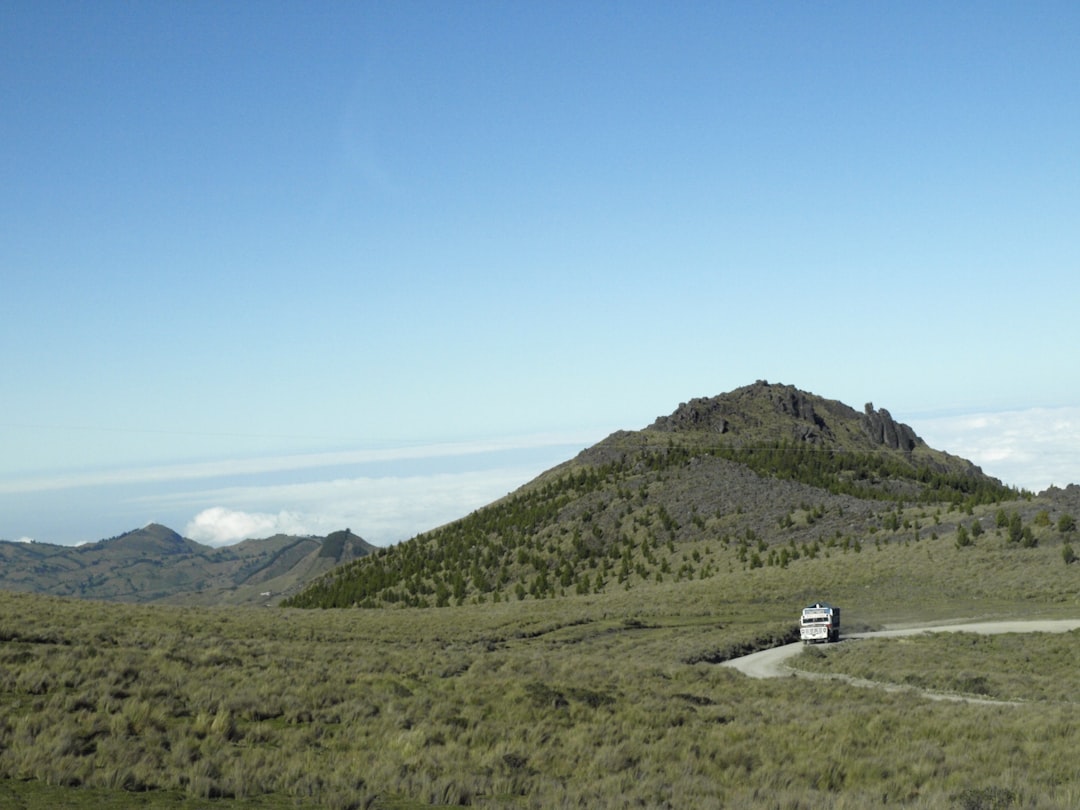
155 564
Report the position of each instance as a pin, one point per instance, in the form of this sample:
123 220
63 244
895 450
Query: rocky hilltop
764 412
764 415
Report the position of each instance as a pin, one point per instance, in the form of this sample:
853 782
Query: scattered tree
963 539
1001 518
1016 527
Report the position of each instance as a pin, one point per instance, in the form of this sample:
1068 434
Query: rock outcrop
809 426
883 429
700 413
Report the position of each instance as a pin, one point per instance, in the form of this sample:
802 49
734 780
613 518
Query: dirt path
773 663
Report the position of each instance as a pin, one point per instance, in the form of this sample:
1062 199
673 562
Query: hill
155 564
764 475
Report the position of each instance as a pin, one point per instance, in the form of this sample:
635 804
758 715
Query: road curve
773 663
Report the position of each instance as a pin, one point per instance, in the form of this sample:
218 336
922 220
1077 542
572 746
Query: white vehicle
820 622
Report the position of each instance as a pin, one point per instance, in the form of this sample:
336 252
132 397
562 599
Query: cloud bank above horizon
1032 449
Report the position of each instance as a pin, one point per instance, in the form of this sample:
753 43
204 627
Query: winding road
773 663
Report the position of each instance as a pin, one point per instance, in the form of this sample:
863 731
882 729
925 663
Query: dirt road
773 663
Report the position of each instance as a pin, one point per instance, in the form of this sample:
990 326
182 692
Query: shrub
1028 538
963 539
1015 527
987 798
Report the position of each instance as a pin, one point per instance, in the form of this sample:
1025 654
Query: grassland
597 700
1009 667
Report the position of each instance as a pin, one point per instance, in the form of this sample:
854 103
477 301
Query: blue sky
283 265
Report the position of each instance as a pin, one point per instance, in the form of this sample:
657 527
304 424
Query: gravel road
773 663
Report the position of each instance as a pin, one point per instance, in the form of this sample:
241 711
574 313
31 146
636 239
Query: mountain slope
155 564
766 474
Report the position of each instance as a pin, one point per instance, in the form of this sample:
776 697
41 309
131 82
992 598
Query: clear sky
293 266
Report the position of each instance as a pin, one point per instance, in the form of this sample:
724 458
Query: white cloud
1031 448
219 526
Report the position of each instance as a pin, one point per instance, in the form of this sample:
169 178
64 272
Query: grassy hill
774 472
155 564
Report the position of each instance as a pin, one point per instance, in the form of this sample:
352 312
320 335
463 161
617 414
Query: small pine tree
1028 538
1016 528
1001 518
963 539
